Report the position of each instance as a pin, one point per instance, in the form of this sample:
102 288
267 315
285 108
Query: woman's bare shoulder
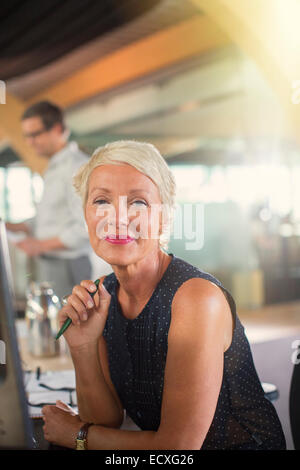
199 289
199 295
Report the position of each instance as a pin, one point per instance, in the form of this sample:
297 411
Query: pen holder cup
42 308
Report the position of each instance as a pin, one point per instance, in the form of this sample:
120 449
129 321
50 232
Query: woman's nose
119 213
122 212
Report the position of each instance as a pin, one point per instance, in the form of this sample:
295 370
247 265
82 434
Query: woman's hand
88 314
61 426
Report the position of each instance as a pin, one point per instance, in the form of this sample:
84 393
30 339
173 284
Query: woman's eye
100 201
140 202
104 201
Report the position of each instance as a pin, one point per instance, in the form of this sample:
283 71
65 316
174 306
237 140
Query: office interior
215 86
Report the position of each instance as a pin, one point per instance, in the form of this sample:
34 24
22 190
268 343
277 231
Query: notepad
38 395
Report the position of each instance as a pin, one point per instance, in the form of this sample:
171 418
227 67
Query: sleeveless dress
137 350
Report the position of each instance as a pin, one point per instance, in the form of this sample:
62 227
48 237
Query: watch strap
81 440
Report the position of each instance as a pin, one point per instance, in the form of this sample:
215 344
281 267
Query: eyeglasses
33 135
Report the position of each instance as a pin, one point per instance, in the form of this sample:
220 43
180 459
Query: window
20 190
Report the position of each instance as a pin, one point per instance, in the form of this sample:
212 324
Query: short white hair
145 158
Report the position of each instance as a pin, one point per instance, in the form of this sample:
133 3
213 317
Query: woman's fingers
81 292
79 307
89 285
68 312
104 294
80 301
101 296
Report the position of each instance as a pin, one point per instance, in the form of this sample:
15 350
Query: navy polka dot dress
137 350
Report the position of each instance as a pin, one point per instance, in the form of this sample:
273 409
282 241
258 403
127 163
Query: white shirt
60 213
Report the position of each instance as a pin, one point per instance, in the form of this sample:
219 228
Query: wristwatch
81 439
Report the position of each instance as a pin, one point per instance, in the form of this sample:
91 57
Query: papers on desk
49 387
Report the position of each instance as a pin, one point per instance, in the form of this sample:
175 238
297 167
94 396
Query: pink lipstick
119 241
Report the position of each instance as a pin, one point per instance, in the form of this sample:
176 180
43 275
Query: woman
160 338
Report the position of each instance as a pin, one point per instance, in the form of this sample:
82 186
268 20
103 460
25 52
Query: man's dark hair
49 113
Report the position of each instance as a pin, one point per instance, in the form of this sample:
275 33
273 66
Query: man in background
57 237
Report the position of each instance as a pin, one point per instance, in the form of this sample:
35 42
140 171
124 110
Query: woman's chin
115 254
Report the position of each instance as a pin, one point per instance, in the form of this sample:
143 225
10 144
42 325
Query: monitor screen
15 424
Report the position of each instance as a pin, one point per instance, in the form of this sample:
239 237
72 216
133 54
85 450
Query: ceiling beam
267 31
187 39
167 47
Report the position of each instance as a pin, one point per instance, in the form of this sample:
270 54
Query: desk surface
61 362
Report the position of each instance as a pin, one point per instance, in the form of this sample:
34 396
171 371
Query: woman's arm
200 332
97 399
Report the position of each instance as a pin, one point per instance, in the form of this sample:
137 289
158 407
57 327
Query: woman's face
122 214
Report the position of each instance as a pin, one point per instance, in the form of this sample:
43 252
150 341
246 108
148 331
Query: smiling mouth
117 240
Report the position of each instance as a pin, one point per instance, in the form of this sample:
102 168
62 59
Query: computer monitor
15 424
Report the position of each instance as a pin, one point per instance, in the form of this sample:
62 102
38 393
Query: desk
29 362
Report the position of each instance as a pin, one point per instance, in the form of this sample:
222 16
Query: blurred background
215 85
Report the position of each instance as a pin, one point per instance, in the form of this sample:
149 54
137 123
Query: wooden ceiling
35 33
185 74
